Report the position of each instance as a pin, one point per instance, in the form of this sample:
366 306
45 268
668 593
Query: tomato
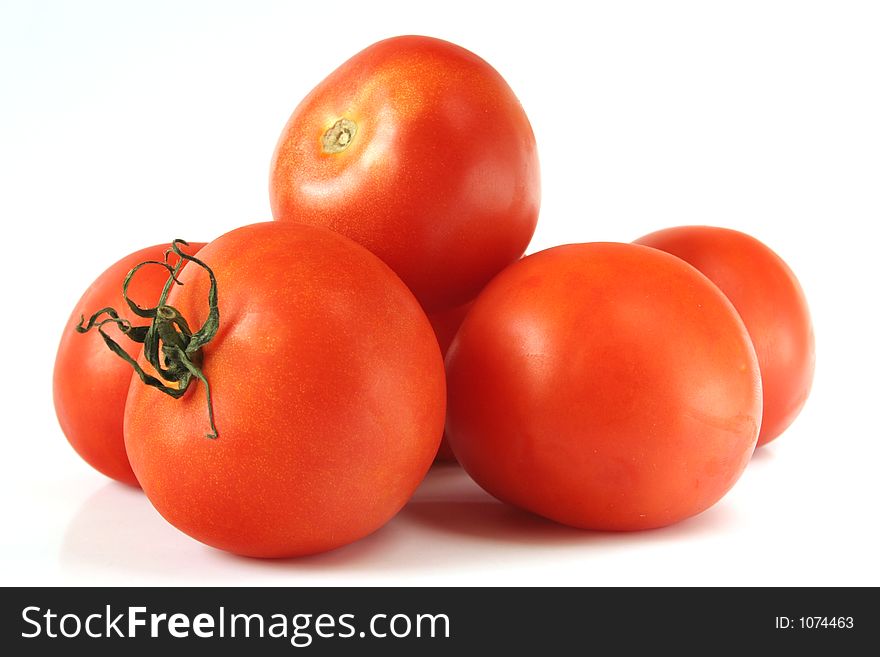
445 325
604 386
86 371
771 303
328 397
418 150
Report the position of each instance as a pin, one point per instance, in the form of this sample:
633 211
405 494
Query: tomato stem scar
168 333
339 136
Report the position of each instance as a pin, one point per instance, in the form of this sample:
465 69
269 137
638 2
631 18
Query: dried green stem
168 333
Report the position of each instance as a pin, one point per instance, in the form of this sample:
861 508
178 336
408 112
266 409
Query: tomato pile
282 390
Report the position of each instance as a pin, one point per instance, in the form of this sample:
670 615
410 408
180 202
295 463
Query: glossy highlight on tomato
605 386
769 298
417 149
328 393
89 382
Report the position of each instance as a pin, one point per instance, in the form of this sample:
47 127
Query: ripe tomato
605 386
445 325
418 150
90 383
328 393
771 303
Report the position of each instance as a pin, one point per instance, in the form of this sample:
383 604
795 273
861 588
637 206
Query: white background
128 124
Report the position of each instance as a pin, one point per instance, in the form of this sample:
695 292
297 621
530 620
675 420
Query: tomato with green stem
326 385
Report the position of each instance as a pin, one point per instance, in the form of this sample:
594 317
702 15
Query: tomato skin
770 301
445 325
328 391
604 386
90 383
441 177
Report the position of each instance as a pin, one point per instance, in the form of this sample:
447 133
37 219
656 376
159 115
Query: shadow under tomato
117 530
763 454
450 524
492 521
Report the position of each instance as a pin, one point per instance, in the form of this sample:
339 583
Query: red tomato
445 326
771 303
418 150
328 392
90 383
604 386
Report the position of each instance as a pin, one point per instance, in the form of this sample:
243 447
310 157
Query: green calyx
167 334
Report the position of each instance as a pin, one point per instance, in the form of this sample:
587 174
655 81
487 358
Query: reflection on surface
117 529
449 524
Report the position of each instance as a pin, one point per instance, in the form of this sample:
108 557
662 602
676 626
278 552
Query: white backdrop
127 124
